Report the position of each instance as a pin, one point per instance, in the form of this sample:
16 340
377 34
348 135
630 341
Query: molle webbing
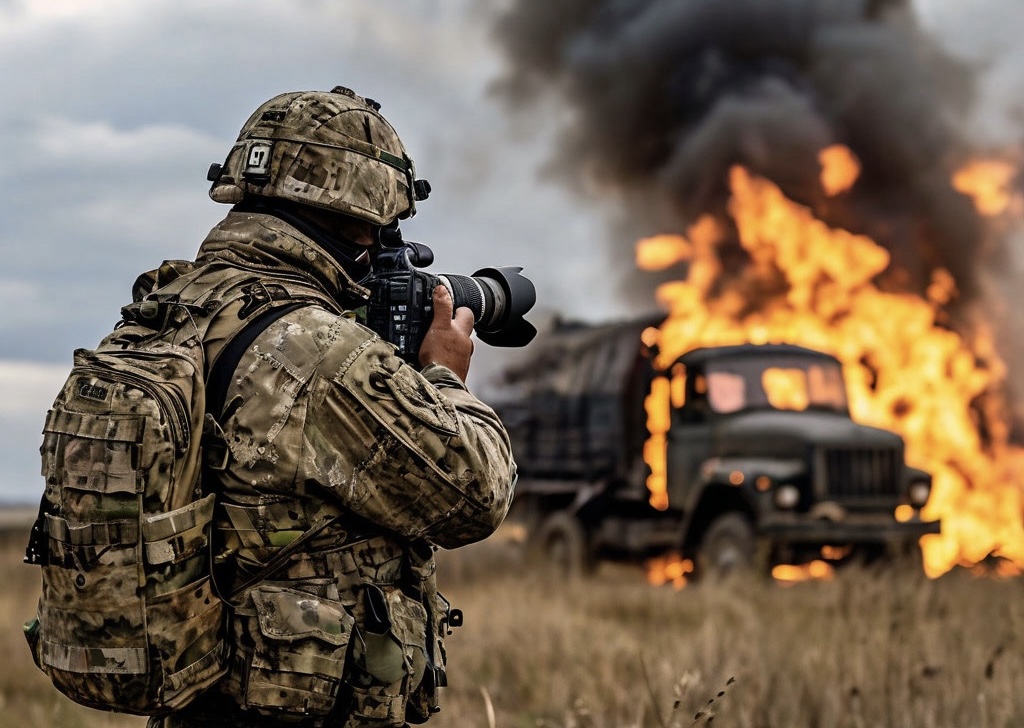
110 660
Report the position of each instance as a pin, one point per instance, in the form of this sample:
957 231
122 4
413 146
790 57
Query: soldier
324 424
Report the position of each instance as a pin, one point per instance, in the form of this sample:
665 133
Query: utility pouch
420 576
290 656
388 656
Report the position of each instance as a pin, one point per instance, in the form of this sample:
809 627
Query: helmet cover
331 150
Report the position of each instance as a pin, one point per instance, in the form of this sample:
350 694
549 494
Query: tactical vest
330 616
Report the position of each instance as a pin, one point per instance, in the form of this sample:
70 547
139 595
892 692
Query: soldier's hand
447 341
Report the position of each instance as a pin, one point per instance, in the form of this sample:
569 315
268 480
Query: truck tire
561 544
727 547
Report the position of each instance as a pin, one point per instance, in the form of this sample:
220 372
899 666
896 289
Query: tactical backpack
129 618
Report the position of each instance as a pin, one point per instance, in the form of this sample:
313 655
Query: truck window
781 382
692 406
826 386
786 389
726 392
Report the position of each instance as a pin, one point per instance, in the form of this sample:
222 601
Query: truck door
689 435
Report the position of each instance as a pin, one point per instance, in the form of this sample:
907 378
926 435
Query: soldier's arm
415 452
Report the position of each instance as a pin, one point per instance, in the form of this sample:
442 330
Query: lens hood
509 328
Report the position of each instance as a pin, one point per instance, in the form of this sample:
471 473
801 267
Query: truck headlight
786 497
918 493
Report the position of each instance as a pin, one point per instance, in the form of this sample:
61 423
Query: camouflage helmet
331 150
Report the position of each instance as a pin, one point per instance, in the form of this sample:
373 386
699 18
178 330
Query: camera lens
498 298
483 296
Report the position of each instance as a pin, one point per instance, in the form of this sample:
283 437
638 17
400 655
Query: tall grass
871 648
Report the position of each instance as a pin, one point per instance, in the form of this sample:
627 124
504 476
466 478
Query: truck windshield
793 383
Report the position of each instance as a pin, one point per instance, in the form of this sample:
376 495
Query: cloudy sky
113 110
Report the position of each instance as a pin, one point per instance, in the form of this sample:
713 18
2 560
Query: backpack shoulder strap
216 393
215 445
229 357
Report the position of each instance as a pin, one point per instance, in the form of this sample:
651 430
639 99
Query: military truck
763 463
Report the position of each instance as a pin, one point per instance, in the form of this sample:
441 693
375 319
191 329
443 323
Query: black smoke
665 95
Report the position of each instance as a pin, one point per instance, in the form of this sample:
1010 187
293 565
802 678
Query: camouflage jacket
322 420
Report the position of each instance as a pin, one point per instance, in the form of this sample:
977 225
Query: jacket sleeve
414 452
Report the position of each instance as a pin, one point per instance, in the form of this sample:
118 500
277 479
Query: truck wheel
728 546
561 544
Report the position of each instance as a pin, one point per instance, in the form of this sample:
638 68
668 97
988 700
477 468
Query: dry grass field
866 649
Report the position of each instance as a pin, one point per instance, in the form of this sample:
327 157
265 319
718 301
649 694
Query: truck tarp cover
574 405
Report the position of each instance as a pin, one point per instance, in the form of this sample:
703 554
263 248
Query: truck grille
853 472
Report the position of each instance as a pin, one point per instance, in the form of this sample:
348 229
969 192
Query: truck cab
763 440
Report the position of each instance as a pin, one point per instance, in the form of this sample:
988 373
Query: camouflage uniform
322 421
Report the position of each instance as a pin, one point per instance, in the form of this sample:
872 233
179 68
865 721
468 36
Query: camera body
400 308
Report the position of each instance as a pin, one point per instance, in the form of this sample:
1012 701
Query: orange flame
904 371
839 169
989 183
662 251
793 573
672 569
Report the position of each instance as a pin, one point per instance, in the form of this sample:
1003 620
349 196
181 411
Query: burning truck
790 171
762 459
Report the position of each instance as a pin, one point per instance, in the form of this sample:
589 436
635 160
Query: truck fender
727 484
709 501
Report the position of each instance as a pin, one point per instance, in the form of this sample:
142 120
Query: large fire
905 371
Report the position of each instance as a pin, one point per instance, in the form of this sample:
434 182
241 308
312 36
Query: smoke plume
664 96
661 97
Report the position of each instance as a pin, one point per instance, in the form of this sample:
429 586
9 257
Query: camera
400 307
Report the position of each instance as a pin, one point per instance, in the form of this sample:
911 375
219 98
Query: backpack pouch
185 616
103 637
90 616
190 627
